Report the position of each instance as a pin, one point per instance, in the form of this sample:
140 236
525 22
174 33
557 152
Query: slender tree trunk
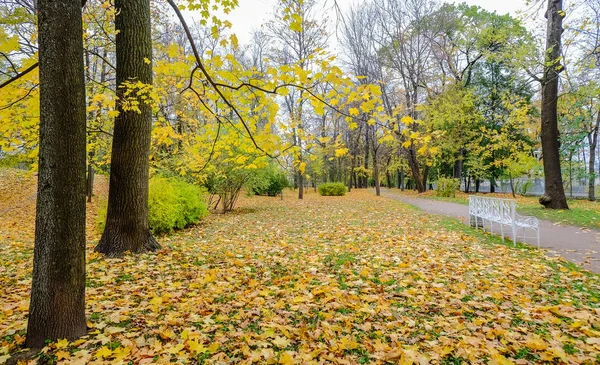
376 175
477 184
425 176
554 196
593 141
512 185
127 216
467 183
300 185
458 165
57 307
90 180
402 180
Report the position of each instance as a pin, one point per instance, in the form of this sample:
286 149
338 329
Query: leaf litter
347 280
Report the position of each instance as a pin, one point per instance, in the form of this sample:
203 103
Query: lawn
348 280
581 213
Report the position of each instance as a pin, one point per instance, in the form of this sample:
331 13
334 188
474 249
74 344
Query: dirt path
578 245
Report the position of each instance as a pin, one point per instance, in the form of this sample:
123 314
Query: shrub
273 183
447 186
332 189
172 204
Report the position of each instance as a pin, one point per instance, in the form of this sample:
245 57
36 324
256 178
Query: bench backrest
492 208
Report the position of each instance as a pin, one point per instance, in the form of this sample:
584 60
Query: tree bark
413 163
57 307
554 196
127 216
90 181
593 142
376 175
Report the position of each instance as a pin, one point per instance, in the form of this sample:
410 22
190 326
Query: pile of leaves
354 279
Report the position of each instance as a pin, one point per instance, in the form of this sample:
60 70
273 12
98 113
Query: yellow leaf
60 355
286 359
121 353
213 347
61 344
104 352
281 342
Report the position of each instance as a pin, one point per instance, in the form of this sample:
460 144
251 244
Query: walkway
578 245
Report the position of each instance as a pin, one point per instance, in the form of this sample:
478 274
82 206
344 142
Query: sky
252 13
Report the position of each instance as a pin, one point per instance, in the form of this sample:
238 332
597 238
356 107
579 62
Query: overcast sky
252 13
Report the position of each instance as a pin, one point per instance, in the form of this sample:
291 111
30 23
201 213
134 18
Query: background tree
127 216
554 196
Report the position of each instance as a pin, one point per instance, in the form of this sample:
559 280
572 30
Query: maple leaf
104 352
281 342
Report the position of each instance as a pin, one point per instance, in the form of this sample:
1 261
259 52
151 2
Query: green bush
447 186
332 189
172 204
273 183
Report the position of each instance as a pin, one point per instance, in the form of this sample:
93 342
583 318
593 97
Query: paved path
579 245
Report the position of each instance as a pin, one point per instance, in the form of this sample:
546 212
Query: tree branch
19 75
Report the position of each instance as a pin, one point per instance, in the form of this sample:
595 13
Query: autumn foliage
349 280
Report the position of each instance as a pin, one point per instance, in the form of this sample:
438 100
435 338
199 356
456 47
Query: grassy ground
347 280
582 213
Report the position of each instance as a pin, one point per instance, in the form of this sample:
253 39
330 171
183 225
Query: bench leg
502 231
514 233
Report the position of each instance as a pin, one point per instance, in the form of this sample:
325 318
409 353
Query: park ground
582 213
350 280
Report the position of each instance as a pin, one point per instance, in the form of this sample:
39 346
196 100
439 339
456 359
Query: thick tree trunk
127 216
413 163
554 196
425 176
57 307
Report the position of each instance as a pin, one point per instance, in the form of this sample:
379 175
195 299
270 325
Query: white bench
503 212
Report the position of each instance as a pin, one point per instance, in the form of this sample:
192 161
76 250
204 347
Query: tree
554 196
57 308
301 37
127 215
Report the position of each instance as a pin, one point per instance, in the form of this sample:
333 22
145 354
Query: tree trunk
425 176
127 216
413 163
458 165
467 184
593 142
477 184
57 307
300 185
512 185
90 181
376 175
554 196
402 183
